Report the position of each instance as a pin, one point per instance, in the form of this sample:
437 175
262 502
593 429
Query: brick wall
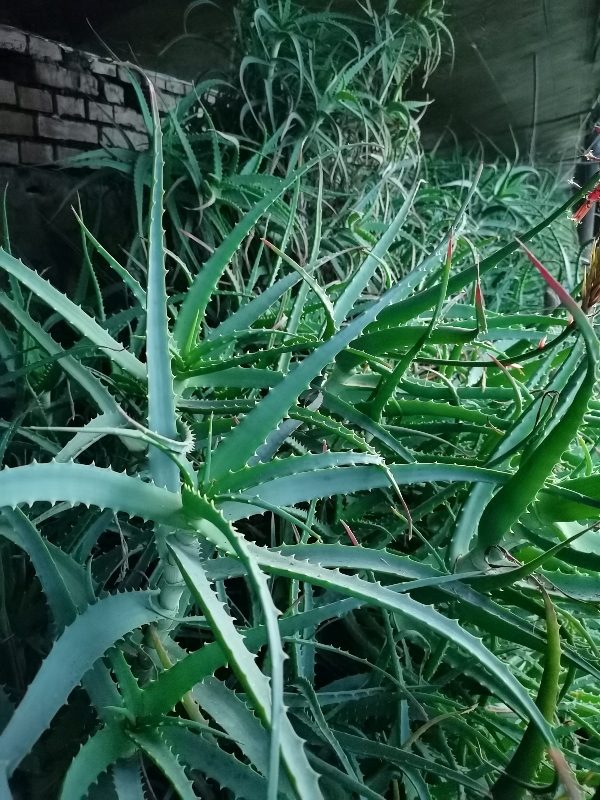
57 102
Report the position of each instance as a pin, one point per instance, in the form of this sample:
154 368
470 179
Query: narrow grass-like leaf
127 277
362 277
409 309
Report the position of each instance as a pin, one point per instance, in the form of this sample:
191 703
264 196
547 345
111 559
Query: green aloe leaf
95 757
74 315
526 759
348 412
293 489
241 444
26 535
156 748
239 722
410 308
556 508
425 616
290 466
367 269
200 292
71 366
299 772
127 277
93 486
161 403
513 498
128 780
213 762
384 753
73 654
514 438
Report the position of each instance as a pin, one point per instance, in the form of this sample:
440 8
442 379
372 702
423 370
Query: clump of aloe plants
306 518
250 485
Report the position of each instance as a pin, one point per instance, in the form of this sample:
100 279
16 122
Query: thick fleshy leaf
73 654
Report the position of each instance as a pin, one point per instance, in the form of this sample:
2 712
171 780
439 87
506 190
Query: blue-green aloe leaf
161 401
215 763
73 654
199 294
300 774
95 757
156 748
74 315
92 486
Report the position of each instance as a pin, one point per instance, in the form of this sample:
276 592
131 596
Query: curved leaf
94 758
213 762
155 747
90 485
71 366
288 491
367 269
74 315
300 774
199 293
73 654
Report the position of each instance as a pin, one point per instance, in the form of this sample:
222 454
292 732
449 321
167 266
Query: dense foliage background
299 497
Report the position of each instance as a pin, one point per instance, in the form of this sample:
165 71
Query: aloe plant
306 518
205 450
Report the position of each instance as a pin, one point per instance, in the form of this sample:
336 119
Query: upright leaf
161 403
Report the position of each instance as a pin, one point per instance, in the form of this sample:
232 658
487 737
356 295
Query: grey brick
111 137
58 77
42 49
9 152
159 81
100 112
67 152
35 99
70 106
166 102
88 84
11 39
177 87
16 124
7 93
100 67
36 153
114 93
66 130
129 118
